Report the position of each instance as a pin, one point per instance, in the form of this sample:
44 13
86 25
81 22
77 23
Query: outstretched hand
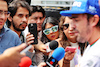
11 57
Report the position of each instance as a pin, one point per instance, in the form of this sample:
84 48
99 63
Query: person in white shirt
86 21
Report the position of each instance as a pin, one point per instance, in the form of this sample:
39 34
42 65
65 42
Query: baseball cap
83 6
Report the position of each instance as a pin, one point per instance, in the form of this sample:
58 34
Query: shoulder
12 36
12 32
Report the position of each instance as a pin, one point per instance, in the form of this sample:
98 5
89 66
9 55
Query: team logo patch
92 9
78 4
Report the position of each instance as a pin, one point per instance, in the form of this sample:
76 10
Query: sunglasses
54 29
65 26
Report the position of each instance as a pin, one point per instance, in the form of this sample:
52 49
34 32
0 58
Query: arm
40 46
68 56
29 40
66 63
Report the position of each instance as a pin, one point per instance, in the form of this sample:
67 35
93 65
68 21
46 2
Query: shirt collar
94 41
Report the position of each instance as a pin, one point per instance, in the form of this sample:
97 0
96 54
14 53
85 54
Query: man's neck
95 35
18 32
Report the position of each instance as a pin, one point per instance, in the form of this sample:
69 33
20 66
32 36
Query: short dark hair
28 1
14 5
51 20
38 9
89 16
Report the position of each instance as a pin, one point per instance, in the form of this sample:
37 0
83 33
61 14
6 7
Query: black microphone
57 55
51 45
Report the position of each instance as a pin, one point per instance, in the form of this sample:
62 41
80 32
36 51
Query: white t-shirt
77 56
91 56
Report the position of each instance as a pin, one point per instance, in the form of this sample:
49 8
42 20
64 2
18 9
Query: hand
29 38
40 46
69 55
42 64
32 48
11 57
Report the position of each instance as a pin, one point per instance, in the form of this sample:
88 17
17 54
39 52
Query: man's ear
44 17
10 18
94 20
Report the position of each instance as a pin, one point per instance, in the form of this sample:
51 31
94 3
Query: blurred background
53 7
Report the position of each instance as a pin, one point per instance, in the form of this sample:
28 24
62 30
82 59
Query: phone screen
72 49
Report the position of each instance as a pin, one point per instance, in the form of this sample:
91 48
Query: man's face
38 18
3 13
82 27
20 19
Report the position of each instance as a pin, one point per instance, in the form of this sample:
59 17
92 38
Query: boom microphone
51 45
57 55
25 62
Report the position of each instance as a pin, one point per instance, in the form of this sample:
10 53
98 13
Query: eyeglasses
65 26
5 12
54 29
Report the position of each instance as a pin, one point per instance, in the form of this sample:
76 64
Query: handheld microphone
57 55
25 62
51 45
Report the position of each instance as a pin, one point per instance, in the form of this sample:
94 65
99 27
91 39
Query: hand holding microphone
45 48
57 55
51 45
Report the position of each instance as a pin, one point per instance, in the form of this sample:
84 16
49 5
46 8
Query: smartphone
32 27
71 49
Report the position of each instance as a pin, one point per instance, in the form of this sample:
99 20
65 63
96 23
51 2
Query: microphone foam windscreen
25 62
53 45
58 53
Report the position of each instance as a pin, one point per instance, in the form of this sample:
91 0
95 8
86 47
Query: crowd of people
78 27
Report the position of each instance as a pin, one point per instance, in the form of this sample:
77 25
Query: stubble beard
81 39
16 28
